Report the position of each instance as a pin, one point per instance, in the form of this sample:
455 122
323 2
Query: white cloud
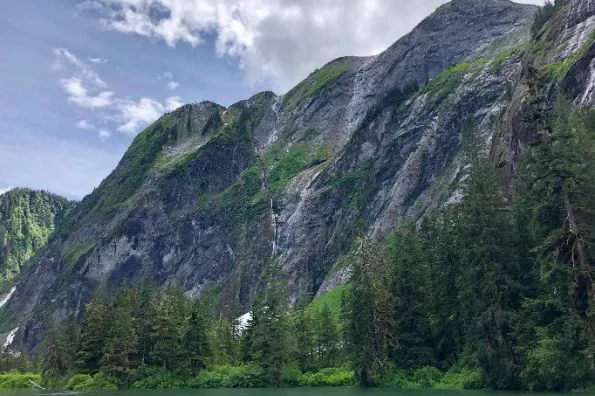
280 39
84 124
173 103
97 60
62 55
85 90
104 134
5 190
79 95
136 114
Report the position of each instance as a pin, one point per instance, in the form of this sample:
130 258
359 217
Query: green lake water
282 392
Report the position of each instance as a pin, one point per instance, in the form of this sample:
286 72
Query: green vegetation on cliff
490 289
312 85
491 293
27 220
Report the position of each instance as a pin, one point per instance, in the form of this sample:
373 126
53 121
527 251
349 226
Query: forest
495 291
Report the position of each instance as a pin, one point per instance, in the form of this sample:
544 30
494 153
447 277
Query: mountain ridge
207 196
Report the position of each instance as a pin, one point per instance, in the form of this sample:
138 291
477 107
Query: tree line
496 284
141 332
494 291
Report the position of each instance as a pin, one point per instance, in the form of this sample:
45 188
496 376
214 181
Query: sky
80 79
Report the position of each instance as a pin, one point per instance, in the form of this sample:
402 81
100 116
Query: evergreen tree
196 341
144 314
270 344
56 360
490 266
560 189
440 241
121 345
96 325
369 313
327 335
407 262
226 342
72 332
170 327
304 337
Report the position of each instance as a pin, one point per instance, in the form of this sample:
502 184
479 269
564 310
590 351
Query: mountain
27 220
207 197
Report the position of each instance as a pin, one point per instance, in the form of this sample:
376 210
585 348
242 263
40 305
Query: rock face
208 196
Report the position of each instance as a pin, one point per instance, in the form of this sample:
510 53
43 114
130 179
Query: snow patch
10 337
456 197
7 297
243 321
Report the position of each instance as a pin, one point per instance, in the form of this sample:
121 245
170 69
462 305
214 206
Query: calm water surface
285 392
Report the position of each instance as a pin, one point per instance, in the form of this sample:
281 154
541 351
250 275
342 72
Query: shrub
552 367
427 377
291 376
328 377
461 379
18 381
103 381
155 378
80 382
246 376
398 379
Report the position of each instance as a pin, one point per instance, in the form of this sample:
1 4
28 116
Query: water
282 392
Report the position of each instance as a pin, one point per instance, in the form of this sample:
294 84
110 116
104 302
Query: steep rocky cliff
208 196
27 220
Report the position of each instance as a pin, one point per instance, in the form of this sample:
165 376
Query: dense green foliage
312 85
497 289
27 220
141 338
492 292
18 381
284 166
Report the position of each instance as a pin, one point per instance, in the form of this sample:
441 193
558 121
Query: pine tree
170 326
490 266
144 314
196 342
560 189
121 345
440 241
304 336
327 335
407 262
96 325
369 313
270 344
56 360
226 342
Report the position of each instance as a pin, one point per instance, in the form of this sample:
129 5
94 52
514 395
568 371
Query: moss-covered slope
27 220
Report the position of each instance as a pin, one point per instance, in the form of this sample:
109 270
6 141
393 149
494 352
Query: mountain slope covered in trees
27 220
211 199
